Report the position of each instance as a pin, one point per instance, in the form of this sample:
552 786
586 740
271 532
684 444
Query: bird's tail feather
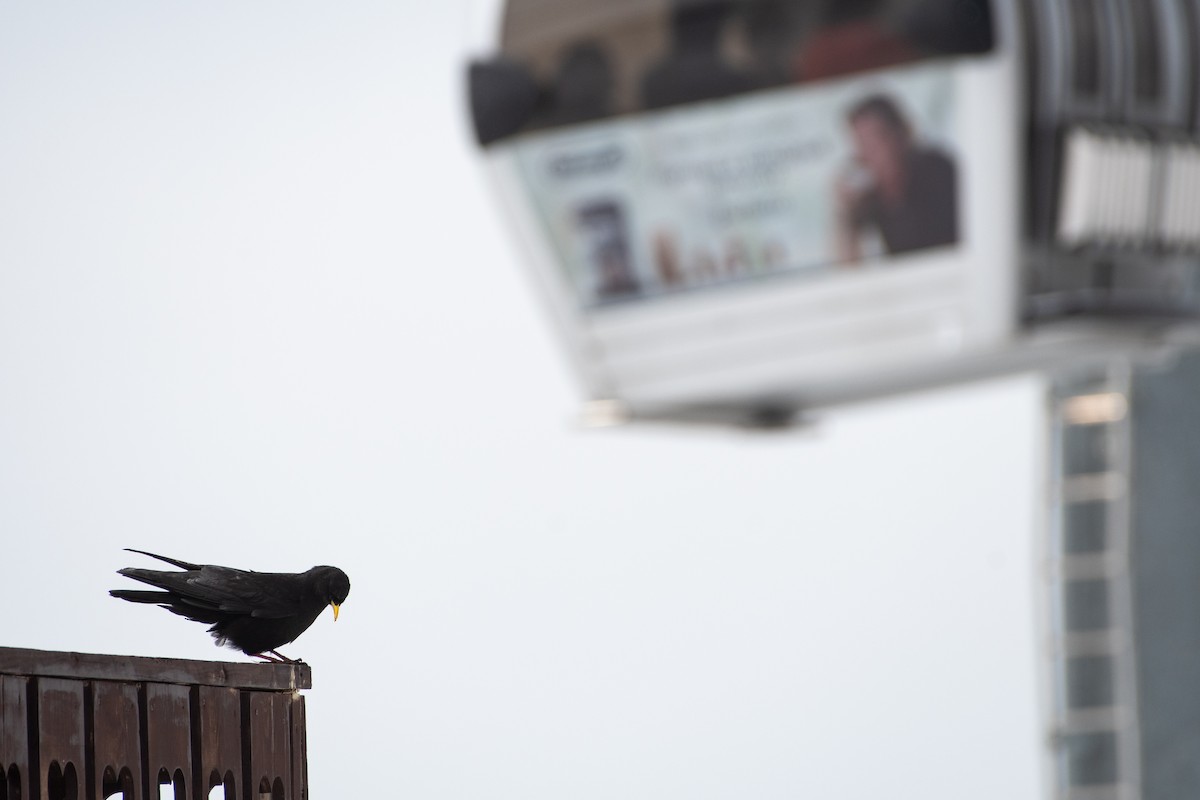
168 559
141 596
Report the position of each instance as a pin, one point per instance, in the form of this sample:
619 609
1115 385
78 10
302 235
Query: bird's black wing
213 590
266 595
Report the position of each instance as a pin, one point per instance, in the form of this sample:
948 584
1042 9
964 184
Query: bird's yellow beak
335 610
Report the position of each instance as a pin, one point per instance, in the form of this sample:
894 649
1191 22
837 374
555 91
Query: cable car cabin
737 209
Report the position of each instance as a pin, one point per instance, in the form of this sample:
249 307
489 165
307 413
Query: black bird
255 612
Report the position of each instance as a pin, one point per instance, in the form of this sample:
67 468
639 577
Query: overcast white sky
256 309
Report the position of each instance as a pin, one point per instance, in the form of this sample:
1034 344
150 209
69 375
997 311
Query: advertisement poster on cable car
843 175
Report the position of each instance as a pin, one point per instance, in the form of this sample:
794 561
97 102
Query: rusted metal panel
117 752
14 736
271 744
88 666
169 737
61 737
220 738
299 748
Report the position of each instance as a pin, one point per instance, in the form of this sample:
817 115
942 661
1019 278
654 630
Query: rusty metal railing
76 726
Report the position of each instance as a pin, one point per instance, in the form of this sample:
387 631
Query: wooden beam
88 666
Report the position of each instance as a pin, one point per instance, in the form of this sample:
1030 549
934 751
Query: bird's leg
282 658
268 659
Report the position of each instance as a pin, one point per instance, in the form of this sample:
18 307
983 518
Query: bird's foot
270 659
275 657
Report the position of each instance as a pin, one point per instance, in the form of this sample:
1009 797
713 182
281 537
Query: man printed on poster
897 188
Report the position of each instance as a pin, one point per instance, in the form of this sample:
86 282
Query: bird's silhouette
255 612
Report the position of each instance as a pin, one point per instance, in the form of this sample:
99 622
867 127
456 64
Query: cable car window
1147 47
564 62
1085 47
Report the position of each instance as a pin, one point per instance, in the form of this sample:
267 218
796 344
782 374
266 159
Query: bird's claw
275 657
